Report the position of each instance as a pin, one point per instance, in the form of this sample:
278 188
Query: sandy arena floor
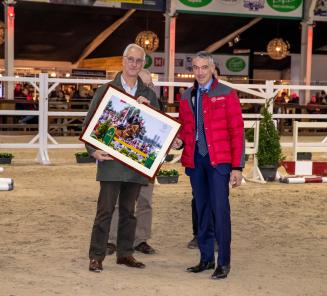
279 237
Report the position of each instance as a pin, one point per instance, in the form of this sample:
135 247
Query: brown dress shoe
95 265
130 261
145 248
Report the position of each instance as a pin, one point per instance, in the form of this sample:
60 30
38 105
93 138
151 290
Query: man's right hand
101 155
177 144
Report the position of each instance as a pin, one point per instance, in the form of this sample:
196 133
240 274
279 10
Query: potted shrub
269 153
5 158
84 157
167 176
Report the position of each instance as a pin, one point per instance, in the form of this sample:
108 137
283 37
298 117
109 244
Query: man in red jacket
212 136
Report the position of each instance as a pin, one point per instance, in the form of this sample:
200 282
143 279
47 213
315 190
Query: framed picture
135 134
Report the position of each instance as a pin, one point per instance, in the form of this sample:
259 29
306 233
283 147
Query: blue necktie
202 144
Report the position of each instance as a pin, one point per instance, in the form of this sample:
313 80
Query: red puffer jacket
223 125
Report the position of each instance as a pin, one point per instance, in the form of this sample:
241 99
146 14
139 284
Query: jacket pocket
218 104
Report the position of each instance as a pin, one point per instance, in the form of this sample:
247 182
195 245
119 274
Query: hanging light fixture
147 40
278 49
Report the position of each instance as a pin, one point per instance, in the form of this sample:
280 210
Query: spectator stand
23 101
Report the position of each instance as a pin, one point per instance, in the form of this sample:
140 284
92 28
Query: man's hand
236 178
101 155
177 144
143 100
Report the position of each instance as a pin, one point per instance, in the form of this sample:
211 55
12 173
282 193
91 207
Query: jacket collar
196 85
213 84
140 85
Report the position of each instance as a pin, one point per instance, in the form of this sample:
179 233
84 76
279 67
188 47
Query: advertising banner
271 8
320 12
236 65
154 5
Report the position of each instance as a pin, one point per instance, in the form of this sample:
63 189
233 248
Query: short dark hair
217 69
204 55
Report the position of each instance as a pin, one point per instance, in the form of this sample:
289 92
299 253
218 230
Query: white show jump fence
45 85
308 147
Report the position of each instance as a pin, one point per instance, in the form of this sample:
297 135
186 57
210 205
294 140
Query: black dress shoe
201 267
221 272
145 248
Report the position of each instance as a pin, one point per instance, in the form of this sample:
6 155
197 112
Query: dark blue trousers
210 186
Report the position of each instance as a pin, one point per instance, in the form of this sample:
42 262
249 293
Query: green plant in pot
5 158
167 176
83 157
269 153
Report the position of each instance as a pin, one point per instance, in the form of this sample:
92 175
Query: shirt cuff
237 169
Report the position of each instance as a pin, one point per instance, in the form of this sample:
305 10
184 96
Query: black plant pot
84 159
268 172
167 179
5 160
304 156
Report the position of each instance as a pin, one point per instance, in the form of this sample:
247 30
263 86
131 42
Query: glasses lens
203 68
132 60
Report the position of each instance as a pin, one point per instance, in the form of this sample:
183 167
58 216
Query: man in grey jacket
116 179
143 211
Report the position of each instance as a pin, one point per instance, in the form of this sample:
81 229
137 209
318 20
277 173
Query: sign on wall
154 5
320 12
89 73
277 8
227 64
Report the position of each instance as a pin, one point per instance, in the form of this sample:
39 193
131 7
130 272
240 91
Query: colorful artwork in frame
135 134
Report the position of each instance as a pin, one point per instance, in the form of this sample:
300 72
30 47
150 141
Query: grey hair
133 45
205 55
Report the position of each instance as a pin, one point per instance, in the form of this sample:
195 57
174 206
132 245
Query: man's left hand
236 178
143 100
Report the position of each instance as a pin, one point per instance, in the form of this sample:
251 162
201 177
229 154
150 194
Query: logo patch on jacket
215 99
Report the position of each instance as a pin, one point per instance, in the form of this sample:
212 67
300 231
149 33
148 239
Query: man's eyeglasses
132 60
203 68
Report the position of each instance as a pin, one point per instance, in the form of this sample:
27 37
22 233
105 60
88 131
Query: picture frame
134 134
